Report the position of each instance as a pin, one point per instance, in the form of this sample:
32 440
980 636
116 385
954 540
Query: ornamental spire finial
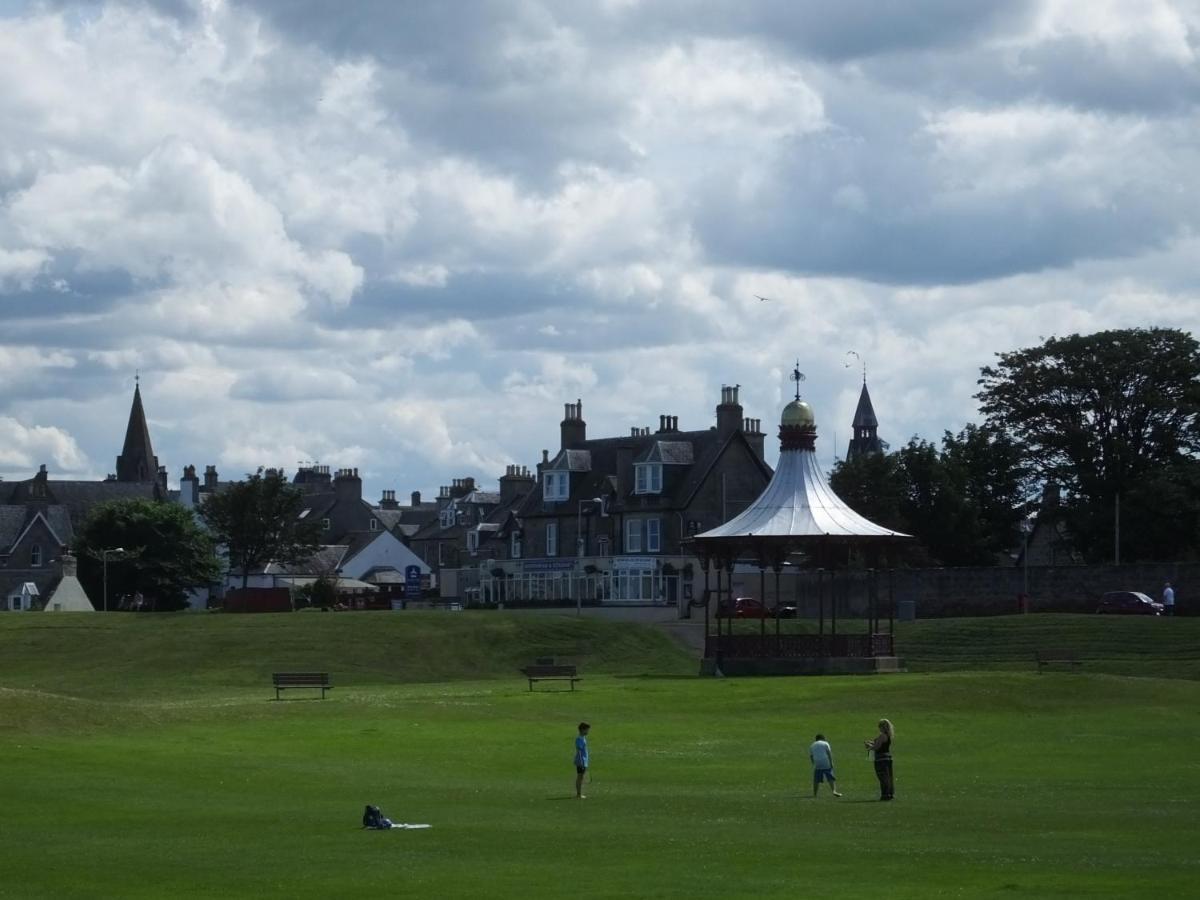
797 376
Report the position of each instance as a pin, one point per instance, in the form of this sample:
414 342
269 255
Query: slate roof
864 415
669 453
327 560
572 461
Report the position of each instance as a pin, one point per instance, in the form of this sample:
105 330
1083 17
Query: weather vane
861 361
797 376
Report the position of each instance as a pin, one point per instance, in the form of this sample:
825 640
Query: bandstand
799 524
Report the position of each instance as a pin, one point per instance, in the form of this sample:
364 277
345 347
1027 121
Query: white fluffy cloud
402 242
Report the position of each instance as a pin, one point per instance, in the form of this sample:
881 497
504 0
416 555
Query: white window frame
556 486
552 539
373 525
653 535
35 556
633 535
514 547
325 523
473 540
648 478
446 517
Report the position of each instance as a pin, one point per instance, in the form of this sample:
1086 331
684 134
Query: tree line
1109 422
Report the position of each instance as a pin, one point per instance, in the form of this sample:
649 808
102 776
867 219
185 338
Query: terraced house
607 518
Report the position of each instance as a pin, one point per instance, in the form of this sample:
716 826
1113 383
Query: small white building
69 595
23 597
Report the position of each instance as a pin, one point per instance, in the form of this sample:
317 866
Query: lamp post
581 546
104 556
1026 530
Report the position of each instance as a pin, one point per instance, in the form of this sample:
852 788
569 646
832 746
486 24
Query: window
373 525
556 486
446 517
602 545
515 547
324 524
552 539
473 541
648 478
35 555
633 535
653 535
16 603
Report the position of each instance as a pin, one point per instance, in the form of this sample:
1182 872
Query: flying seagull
763 299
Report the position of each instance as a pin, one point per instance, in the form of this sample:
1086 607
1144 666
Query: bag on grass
373 818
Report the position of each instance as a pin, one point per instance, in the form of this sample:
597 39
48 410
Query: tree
1100 414
259 521
994 477
166 553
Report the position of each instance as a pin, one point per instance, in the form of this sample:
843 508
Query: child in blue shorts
581 758
821 755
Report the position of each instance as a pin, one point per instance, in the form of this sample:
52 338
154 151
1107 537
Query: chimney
388 500
514 483
416 499
210 478
667 424
572 428
189 487
347 485
460 487
729 411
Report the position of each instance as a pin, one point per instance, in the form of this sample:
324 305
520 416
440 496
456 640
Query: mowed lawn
144 757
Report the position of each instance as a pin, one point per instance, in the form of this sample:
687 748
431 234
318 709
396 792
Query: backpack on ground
373 817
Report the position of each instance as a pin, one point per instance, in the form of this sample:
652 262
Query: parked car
1129 603
752 608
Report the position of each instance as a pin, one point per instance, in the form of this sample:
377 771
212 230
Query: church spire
865 428
137 461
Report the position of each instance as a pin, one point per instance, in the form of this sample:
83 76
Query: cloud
401 239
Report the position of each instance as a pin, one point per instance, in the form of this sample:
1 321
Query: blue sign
412 581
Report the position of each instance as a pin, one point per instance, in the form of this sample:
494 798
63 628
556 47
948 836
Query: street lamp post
1026 530
581 546
104 556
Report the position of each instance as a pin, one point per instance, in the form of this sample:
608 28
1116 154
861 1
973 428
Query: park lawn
1009 784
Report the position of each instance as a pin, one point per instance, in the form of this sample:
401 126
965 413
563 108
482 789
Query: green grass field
144 757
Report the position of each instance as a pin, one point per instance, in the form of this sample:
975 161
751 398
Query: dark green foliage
258 520
166 553
962 503
1111 414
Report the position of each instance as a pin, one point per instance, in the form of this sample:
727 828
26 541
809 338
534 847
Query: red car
1129 603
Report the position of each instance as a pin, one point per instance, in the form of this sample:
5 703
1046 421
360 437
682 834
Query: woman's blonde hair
886 727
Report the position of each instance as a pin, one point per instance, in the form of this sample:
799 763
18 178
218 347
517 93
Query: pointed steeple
137 461
865 428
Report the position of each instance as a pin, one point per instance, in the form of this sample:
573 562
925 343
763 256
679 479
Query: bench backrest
300 679
1055 655
540 671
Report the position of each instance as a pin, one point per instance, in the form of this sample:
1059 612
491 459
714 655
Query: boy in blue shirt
581 759
821 755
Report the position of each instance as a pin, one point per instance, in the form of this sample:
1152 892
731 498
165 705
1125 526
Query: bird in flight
762 299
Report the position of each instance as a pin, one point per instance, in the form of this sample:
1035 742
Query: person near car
1168 600
821 755
881 746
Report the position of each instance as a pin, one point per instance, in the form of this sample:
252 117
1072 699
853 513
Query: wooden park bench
285 680
1056 656
541 671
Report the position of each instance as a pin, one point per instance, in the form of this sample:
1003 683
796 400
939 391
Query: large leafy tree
962 503
259 521
1105 415
165 553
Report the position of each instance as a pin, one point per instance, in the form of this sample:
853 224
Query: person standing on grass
881 746
581 758
821 755
1168 599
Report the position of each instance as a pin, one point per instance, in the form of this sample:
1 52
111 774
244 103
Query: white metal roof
799 503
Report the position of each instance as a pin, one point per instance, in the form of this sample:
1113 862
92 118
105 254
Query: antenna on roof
861 361
797 376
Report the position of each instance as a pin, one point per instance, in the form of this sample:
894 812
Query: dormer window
556 486
648 478
515 546
446 517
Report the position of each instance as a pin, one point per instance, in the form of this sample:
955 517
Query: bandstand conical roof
798 503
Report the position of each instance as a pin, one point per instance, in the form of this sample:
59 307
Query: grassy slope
128 655
181 779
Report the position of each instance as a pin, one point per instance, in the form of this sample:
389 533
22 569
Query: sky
399 236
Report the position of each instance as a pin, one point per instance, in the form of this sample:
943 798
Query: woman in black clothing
882 747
